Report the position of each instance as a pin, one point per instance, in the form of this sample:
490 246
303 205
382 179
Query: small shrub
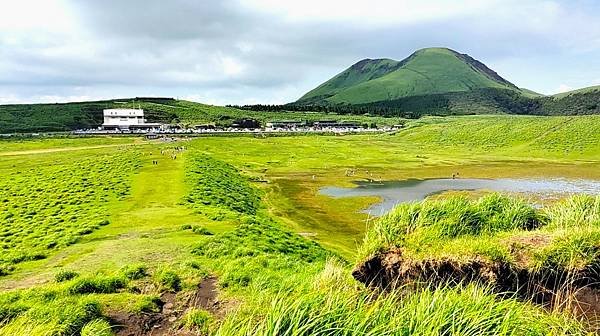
99 284
198 319
170 280
135 272
63 276
98 327
201 230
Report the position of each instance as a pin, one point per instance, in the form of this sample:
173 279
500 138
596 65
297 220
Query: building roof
123 112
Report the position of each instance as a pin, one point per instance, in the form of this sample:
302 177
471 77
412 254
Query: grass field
245 213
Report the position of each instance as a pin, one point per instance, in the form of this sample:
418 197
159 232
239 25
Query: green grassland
52 205
247 211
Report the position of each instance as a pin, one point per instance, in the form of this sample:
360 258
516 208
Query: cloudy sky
273 51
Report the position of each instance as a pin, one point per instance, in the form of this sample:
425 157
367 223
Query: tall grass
335 306
575 212
450 218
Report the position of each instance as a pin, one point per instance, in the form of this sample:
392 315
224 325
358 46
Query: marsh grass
335 306
433 222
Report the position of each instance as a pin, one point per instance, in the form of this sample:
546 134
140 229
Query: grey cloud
178 48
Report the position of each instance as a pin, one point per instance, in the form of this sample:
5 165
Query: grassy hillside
362 71
70 116
577 102
591 89
427 71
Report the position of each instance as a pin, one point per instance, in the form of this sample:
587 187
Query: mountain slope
427 71
591 89
365 70
576 102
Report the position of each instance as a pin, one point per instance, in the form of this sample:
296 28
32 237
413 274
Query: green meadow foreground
229 235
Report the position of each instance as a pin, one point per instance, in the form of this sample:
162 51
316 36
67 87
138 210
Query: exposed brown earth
552 287
172 308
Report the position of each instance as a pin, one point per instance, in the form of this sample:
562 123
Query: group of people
172 152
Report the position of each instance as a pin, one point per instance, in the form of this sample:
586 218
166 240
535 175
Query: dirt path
174 307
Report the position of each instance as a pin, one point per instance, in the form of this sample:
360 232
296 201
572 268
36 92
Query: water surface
394 192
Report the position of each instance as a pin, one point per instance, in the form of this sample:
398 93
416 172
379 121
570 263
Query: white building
125 119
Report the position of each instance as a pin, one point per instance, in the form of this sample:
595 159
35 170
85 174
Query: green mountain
425 72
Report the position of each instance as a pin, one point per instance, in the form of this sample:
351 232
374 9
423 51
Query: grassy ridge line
429 71
591 89
219 184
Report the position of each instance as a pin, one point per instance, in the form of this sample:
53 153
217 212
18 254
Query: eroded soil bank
552 287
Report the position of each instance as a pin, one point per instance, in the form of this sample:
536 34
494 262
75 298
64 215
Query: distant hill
69 116
28 118
425 72
591 89
576 102
440 81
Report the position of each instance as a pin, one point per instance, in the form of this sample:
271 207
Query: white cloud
231 66
373 12
43 16
563 88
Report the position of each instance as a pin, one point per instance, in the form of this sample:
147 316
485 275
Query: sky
273 51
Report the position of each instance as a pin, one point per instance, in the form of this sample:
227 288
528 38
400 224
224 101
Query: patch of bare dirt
550 287
173 307
521 246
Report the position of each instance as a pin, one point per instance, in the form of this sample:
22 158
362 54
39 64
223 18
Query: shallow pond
394 192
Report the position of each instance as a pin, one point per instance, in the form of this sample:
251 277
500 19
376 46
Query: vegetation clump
98 327
170 280
217 183
198 319
135 272
97 284
65 276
